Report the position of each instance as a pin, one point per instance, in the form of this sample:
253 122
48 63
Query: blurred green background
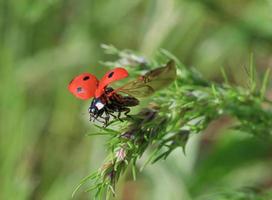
44 150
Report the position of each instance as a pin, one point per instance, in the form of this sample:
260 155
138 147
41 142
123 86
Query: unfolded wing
150 82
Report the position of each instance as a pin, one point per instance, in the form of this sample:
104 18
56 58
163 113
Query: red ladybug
107 101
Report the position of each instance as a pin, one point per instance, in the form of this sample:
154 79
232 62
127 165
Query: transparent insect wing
110 77
152 81
83 86
136 88
161 77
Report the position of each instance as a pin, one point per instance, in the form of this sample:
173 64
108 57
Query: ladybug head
96 106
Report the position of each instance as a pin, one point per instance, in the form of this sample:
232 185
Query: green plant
187 107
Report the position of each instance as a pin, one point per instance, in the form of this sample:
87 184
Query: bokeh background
44 150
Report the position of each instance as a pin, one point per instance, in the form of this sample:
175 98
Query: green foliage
44 152
185 108
244 194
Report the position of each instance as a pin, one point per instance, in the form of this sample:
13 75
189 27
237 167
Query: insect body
109 102
110 105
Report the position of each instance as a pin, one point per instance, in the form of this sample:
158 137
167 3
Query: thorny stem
185 108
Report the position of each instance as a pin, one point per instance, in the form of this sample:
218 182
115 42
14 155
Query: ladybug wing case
83 86
110 77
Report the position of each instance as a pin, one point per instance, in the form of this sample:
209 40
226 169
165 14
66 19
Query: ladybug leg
107 118
92 117
110 112
119 115
127 110
95 117
100 121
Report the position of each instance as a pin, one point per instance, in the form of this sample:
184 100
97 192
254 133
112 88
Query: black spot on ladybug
79 89
110 74
86 78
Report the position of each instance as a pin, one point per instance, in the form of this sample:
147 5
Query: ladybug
110 102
